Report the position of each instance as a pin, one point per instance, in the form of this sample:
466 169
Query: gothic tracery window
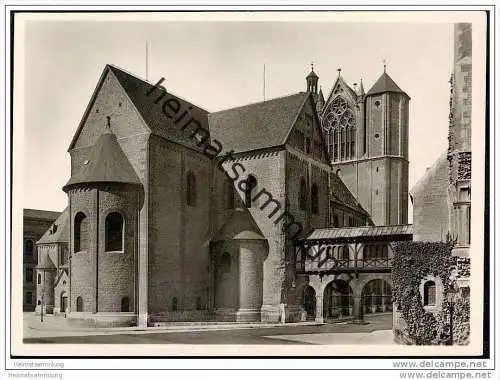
340 122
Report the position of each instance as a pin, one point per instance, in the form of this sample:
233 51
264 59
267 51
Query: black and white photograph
257 184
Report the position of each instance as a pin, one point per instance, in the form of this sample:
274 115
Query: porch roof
396 232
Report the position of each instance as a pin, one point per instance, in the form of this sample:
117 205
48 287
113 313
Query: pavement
56 329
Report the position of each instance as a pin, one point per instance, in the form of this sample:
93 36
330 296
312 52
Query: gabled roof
341 194
106 164
256 126
58 231
343 84
384 84
137 91
61 274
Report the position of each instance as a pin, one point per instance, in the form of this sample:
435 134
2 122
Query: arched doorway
377 297
63 302
309 301
338 300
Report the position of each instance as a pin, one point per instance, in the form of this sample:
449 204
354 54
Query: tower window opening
191 189
250 185
81 232
114 232
314 199
303 195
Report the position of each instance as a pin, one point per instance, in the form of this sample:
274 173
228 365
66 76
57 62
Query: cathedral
178 214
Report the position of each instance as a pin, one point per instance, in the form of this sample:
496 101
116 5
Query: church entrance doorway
309 302
64 302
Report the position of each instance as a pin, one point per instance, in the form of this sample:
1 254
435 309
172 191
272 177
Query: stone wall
179 234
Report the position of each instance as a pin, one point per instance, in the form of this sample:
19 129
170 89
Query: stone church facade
176 213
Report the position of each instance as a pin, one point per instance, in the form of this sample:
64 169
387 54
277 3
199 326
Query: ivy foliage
413 261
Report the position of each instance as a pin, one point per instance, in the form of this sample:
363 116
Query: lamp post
43 294
451 296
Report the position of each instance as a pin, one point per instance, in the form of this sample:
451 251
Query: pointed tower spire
361 90
320 103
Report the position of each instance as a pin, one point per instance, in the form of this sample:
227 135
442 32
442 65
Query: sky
218 65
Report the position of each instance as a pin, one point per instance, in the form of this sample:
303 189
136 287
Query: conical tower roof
106 164
240 226
45 263
384 84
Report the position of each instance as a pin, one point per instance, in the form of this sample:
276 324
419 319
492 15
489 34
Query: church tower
368 143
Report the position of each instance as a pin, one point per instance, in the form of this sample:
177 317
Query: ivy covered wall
414 323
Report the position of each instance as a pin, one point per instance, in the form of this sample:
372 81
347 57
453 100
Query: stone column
250 280
319 309
358 310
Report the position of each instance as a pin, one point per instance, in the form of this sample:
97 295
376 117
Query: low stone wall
182 316
83 319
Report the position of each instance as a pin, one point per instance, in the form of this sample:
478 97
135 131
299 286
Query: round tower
104 201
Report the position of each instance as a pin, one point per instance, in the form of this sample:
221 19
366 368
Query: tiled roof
341 194
40 214
106 164
429 174
258 125
389 232
58 232
137 90
159 124
384 84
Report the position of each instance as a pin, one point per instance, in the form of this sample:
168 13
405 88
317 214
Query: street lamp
451 297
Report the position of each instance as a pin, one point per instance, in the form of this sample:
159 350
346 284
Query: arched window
430 293
308 145
342 143
191 189
303 195
114 232
125 304
348 143
314 199
81 232
28 250
39 279
230 196
251 184
353 142
339 117
335 145
174 304
79 304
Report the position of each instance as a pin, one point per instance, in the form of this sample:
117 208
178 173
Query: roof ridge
152 85
261 102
